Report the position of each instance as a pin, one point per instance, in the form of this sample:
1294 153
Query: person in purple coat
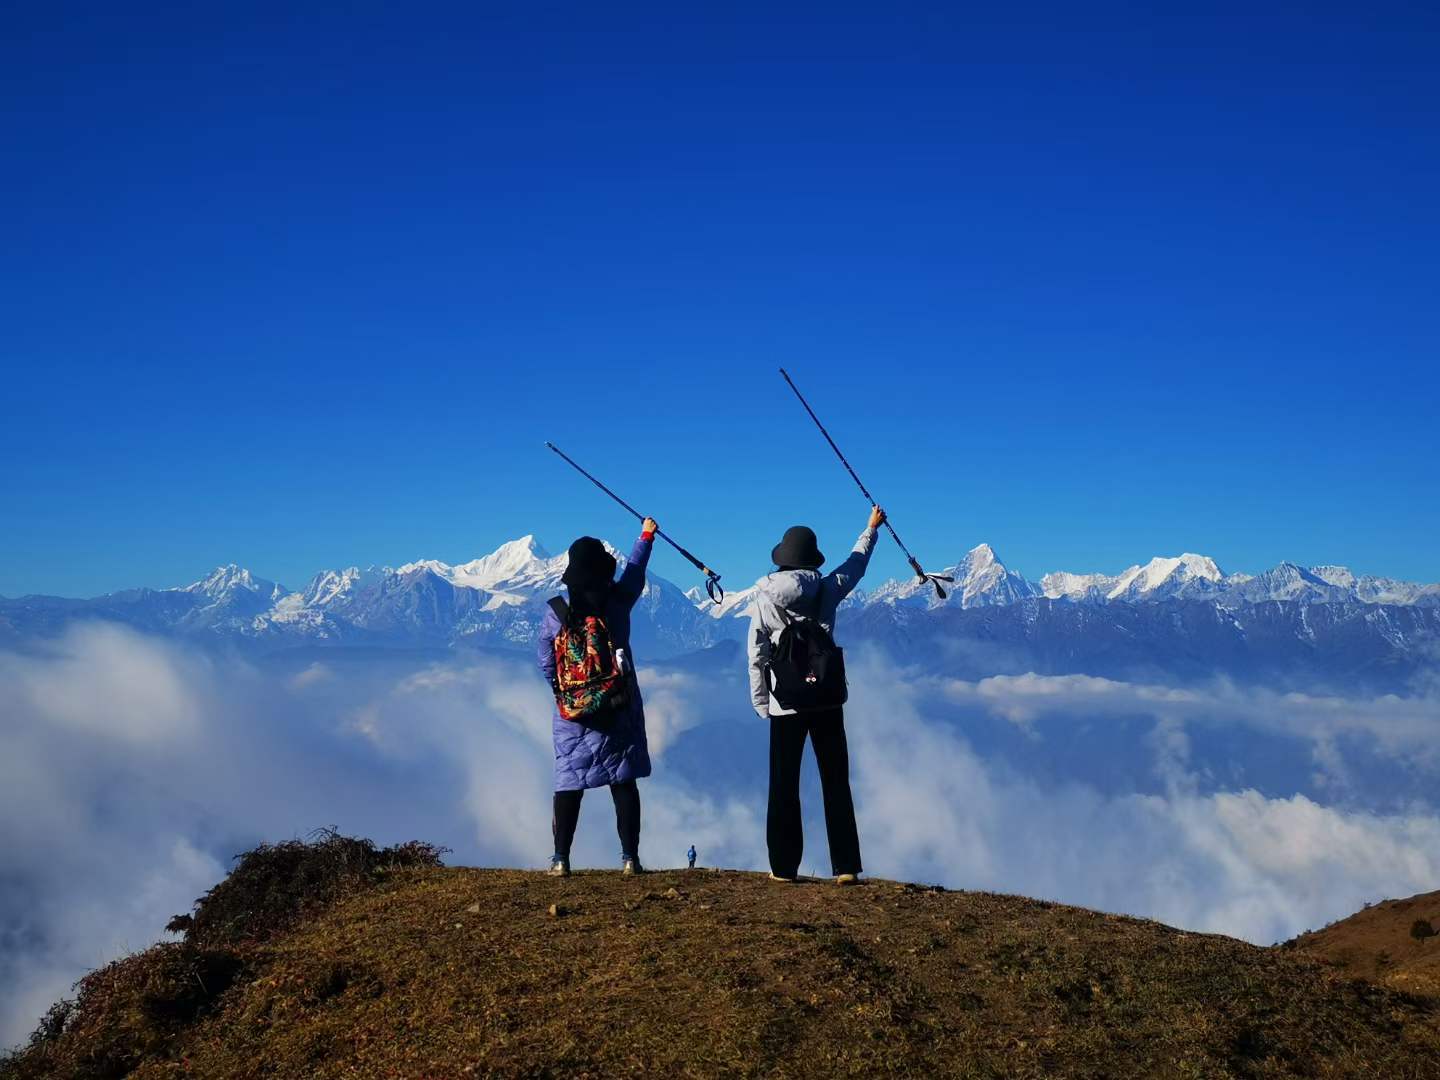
586 757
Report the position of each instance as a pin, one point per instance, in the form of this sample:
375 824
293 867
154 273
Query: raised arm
847 575
632 578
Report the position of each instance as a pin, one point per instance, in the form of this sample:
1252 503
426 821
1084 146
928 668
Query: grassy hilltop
380 964
1383 944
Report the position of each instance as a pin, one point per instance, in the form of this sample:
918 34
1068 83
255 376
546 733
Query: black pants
627 819
783 831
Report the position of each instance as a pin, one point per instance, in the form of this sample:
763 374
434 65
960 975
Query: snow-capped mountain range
497 600
494 600
982 580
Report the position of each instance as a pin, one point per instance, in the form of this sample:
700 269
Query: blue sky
300 290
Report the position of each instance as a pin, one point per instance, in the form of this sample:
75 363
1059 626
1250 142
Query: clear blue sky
301 290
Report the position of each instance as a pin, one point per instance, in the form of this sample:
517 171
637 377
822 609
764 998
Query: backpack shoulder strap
561 609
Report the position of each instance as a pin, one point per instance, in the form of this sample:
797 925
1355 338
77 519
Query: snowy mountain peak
1182 574
512 572
1189 565
523 547
330 585
981 556
1335 575
519 561
1061 584
981 579
225 580
1201 566
434 566
221 578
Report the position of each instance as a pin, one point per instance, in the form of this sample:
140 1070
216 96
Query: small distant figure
691 856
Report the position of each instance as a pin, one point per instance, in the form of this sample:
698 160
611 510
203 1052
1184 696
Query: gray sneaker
559 868
631 867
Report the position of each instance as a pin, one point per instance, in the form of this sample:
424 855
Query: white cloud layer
135 767
1234 862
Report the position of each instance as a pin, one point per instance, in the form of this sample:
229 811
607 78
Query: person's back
797 590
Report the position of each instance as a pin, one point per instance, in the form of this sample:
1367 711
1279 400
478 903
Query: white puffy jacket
804 593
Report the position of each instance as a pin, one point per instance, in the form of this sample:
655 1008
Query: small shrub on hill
274 884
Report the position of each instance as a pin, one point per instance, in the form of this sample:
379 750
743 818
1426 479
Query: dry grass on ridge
434 972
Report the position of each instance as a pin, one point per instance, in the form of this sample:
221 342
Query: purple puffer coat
584 757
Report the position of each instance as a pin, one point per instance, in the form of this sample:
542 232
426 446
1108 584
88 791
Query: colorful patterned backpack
590 678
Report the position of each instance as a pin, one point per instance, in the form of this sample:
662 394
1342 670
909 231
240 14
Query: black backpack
807 668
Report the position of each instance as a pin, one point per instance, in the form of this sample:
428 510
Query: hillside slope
1376 944
457 972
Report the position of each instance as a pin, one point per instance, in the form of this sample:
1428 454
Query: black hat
798 548
589 562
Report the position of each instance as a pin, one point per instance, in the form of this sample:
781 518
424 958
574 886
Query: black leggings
627 819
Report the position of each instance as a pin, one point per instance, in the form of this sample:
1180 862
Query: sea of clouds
136 767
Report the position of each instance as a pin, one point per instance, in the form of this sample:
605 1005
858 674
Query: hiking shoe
788 880
631 867
846 879
559 868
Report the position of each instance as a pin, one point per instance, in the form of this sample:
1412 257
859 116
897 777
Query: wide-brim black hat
799 548
589 562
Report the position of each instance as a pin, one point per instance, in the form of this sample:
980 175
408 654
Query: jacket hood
794 590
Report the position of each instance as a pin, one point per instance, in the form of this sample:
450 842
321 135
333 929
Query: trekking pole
933 579
712 579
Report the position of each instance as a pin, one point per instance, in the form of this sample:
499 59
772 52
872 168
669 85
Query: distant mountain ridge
1180 613
982 580
497 599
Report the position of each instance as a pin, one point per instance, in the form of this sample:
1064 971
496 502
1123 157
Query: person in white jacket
797 589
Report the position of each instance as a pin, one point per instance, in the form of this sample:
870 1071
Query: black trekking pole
712 579
933 579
